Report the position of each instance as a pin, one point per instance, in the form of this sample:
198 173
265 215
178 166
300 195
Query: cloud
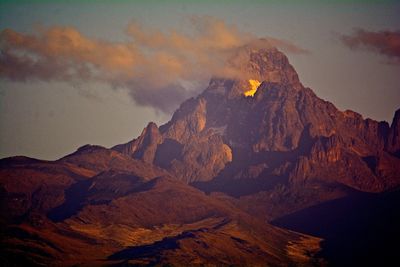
383 42
160 69
287 46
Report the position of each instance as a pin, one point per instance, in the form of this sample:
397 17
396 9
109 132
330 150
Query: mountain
117 212
204 188
282 142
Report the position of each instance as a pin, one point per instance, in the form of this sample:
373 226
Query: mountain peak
258 61
262 113
252 65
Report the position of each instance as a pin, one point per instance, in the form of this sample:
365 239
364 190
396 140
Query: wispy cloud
155 66
386 43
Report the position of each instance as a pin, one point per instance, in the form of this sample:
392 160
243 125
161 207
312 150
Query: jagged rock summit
284 132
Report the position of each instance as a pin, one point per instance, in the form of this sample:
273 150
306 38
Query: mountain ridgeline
284 130
205 187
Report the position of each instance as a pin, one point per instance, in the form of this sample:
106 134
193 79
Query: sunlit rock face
254 84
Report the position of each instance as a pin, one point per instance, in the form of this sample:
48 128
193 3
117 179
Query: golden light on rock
254 84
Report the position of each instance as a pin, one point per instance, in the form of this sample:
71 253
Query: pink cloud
151 64
383 42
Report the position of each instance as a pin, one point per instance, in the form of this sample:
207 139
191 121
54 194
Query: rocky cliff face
284 131
393 140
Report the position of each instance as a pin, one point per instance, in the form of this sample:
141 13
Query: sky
96 72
